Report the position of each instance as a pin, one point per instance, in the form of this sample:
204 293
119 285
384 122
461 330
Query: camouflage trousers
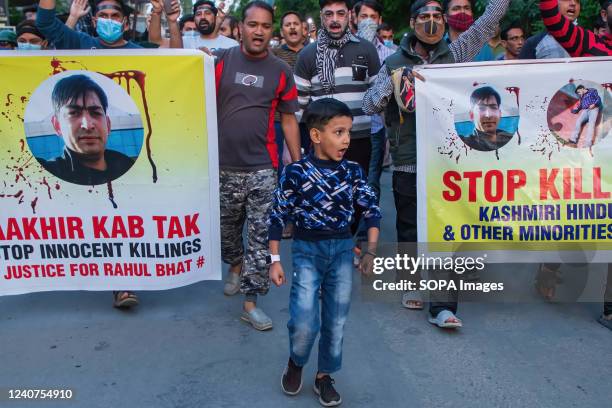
247 196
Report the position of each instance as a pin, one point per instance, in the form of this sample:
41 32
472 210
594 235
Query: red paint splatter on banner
111 194
33 204
546 143
139 78
46 184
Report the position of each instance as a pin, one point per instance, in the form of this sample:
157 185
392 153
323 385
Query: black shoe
291 382
324 388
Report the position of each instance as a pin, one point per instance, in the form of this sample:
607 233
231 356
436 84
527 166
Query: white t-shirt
219 43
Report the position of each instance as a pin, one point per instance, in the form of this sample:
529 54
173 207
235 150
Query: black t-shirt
249 91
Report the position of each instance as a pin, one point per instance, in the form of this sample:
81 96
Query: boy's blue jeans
327 264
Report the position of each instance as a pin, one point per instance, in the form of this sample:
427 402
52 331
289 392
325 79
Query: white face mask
366 29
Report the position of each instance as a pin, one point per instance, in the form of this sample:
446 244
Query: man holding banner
424 46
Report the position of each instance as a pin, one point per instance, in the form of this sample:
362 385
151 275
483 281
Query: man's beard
338 35
208 29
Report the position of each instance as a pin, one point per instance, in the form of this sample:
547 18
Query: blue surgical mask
109 30
389 43
24 46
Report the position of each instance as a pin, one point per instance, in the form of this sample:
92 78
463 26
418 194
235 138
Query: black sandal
123 301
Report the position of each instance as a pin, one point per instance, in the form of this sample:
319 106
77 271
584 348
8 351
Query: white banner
110 171
514 157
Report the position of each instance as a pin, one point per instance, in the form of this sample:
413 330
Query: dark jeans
378 140
405 197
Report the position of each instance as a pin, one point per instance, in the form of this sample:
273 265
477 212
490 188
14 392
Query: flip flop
605 322
412 296
441 320
126 302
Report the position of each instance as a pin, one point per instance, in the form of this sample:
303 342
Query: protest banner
109 171
517 161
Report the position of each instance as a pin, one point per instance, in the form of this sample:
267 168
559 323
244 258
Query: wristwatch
270 259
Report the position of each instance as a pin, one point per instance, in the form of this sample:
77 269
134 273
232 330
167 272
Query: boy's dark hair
384 27
373 4
184 20
323 3
210 4
446 4
320 112
418 5
259 4
124 9
504 32
483 93
290 12
578 88
75 86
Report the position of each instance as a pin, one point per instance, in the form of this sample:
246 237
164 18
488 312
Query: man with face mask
110 22
29 38
576 40
342 66
205 17
393 93
369 18
459 16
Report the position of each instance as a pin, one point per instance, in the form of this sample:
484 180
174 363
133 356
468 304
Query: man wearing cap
205 17
8 40
393 93
29 37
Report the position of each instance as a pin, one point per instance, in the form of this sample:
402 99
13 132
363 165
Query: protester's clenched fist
366 264
277 275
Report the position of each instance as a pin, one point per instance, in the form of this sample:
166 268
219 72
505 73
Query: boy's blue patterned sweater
319 197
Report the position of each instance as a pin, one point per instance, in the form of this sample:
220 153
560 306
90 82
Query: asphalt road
188 348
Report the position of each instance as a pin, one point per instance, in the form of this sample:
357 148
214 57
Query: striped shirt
576 40
357 65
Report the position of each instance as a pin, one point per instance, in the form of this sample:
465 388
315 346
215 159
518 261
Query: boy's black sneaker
291 382
324 388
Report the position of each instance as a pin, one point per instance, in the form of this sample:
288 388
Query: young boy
319 193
